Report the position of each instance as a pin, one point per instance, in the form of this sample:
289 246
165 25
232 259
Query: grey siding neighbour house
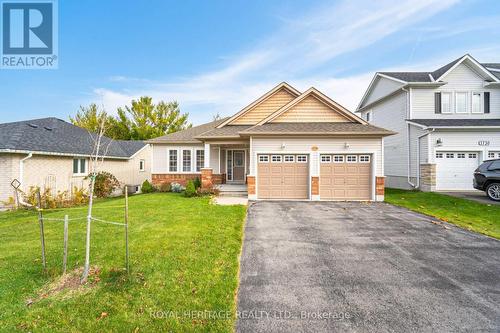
468 130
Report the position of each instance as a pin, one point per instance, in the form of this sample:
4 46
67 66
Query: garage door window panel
352 158
326 158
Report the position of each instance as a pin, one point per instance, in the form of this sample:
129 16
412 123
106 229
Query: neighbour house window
352 158
369 116
263 158
364 158
446 102
172 166
200 160
439 155
460 155
142 165
461 102
472 155
302 158
338 158
450 155
186 160
289 158
326 158
276 158
79 166
476 103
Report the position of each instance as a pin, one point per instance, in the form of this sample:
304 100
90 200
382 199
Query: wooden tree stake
40 222
126 228
65 254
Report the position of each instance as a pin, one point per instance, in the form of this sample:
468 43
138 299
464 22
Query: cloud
302 45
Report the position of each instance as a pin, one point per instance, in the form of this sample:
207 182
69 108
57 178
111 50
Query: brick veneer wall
380 185
315 185
206 178
181 178
427 177
251 185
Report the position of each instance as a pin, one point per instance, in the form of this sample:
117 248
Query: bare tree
99 151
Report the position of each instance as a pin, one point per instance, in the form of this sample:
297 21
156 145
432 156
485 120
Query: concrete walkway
358 267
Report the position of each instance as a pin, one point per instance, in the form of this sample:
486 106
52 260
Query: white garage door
455 170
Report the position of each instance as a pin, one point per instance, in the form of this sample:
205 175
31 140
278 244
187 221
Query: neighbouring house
448 122
286 144
51 153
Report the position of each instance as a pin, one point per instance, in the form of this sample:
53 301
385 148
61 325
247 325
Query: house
286 144
448 122
51 153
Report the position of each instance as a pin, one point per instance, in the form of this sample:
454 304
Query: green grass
184 257
464 213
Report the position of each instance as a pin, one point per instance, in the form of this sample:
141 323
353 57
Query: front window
186 160
476 102
446 102
79 166
172 167
461 102
200 160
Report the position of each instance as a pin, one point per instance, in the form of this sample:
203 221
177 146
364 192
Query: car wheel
493 191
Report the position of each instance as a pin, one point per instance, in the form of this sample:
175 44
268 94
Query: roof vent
48 128
32 125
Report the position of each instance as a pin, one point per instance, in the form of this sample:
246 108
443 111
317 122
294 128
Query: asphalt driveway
323 267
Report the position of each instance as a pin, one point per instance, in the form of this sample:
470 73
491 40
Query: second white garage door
282 176
455 170
345 177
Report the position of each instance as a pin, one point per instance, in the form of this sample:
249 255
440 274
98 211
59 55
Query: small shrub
176 187
105 184
147 187
190 189
59 200
197 183
165 187
207 191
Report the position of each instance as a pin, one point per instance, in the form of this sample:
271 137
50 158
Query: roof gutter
20 151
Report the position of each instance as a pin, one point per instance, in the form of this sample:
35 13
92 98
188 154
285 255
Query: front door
236 165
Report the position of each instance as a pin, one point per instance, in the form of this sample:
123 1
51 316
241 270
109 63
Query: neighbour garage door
455 170
281 176
345 177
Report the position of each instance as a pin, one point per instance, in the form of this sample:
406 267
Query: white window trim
142 165
449 93
190 160
79 173
481 102
280 157
466 93
326 159
196 160
177 161
265 157
355 159
342 158
299 157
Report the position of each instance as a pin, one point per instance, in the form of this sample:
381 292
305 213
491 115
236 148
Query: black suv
487 178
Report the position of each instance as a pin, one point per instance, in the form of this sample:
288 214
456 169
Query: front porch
226 163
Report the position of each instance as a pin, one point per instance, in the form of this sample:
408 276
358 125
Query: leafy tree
91 118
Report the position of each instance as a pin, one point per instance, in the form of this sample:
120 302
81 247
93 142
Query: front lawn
467 214
184 257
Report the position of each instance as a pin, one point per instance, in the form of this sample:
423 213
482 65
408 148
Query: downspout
418 154
408 159
21 168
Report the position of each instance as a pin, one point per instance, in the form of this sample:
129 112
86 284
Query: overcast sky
217 56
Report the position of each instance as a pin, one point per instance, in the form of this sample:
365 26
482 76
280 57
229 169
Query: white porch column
207 155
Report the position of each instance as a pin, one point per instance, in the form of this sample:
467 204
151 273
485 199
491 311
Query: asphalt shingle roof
228 131
53 135
316 129
457 122
188 135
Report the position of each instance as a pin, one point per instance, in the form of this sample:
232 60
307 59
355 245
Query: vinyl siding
310 110
380 88
462 78
415 132
391 114
265 108
7 162
325 145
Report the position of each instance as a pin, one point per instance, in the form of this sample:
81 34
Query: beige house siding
265 108
7 168
310 110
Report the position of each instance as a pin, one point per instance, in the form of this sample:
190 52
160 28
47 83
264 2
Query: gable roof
319 95
188 135
56 136
349 128
248 108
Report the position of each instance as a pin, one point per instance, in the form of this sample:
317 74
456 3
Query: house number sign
483 143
